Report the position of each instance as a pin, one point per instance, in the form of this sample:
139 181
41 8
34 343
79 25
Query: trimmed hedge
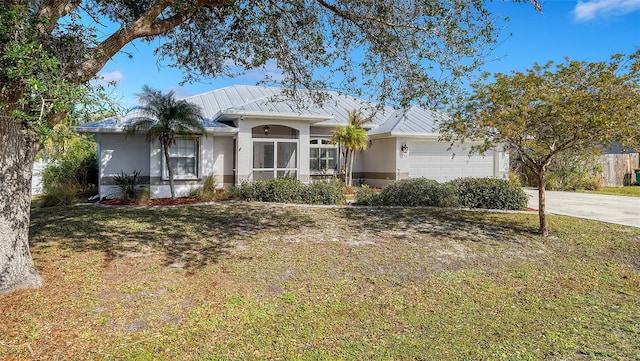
484 193
289 190
489 193
417 192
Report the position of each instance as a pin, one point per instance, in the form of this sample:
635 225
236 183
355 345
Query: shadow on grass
187 237
454 224
192 237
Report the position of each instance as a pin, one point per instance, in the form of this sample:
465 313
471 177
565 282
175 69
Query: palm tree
164 118
353 138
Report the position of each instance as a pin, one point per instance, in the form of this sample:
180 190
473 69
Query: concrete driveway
612 209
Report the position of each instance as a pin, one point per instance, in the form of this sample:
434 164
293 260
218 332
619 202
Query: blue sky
589 30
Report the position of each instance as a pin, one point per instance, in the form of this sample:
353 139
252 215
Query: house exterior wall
223 167
215 159
116 154
244 167
377 165
324 132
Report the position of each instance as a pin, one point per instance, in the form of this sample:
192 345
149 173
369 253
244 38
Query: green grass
238 281
633 191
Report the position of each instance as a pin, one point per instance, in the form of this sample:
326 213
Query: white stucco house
255 132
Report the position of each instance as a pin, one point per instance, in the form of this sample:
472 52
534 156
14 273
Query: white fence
36 180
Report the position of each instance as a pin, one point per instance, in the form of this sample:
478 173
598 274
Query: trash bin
637 171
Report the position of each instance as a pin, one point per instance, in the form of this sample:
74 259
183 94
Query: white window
183 156
275 152
323 156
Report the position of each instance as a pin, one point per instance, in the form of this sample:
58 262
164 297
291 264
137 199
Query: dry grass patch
255 281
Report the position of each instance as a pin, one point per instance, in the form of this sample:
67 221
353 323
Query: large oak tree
573 108
51 49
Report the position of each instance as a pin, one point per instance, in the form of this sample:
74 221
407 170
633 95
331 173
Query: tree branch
146 26
53 11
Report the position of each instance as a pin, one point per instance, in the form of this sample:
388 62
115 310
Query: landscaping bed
151 202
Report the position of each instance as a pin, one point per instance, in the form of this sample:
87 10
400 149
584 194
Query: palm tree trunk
169 170
351 158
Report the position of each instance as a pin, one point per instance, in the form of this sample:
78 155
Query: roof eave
229 130
270 115
429 136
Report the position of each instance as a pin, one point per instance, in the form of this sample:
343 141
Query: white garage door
434 161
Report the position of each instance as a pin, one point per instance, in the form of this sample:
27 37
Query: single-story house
254 132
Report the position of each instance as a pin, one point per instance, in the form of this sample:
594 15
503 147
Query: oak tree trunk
18 149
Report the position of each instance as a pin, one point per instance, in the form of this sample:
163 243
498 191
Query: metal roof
117 124
235 101
413 121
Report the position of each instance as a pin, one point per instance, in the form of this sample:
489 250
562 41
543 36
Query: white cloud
589 10
269 71
108 78
179 92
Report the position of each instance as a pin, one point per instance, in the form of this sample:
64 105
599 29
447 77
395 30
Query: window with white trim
183 156
323 156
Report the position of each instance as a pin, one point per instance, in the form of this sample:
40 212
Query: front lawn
633 191
242 281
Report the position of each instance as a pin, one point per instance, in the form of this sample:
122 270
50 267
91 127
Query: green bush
570 172
60 195
288 190
366 196
208 192
417 192
324 193
489 193
78 168
130 185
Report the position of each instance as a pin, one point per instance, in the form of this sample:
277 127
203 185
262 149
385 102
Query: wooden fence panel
617 169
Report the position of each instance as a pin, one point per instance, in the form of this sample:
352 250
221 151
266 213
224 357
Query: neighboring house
255 133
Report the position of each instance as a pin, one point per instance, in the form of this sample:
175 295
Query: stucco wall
215 159
118 153
245 147
377 165
222 161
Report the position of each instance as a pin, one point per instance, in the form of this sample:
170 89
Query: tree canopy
573 107
399 51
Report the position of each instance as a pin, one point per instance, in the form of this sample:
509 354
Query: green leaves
573 108
554 108
165 117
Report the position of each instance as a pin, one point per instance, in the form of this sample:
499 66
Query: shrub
129 184
417 192
366 196
323 193
77 167
208 191
288 190
144 194
570 172
489 193
59 195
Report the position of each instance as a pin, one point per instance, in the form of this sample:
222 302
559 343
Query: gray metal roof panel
413 120
270 101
